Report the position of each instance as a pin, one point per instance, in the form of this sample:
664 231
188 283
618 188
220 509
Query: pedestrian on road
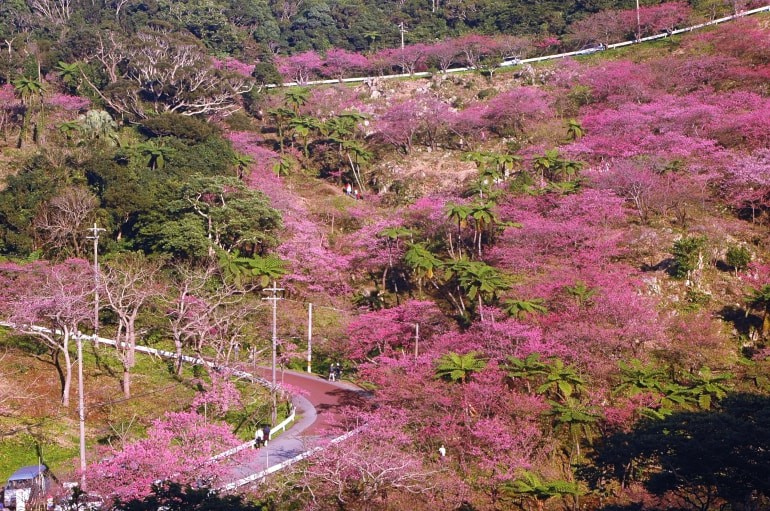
337 371
259 438
332 373
266 433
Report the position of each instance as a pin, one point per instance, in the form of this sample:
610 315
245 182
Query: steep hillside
555 276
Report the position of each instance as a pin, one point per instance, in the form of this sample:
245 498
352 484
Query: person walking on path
266 433
332 373
259 438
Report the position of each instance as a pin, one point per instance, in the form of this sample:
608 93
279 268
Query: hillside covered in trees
558 272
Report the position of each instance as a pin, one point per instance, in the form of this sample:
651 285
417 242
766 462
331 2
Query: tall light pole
274 298
638 23
309 337
81 412
95 236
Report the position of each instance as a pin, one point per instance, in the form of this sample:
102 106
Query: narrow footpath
318 412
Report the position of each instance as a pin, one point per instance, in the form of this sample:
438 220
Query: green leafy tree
738 257
688 254
458 368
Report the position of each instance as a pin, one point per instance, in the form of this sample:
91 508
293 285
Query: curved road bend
317 415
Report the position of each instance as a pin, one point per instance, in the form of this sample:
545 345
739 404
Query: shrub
176 125
738 257
687 255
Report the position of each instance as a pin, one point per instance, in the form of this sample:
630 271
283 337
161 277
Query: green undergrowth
34 425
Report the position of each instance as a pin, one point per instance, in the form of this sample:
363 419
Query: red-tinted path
318 413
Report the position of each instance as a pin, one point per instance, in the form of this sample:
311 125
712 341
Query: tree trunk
126 383
178 349
65 398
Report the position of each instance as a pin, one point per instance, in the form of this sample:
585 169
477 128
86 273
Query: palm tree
392 236
581 293
241 270
422 262
266 269
636 378
297 97
528 368
457 368
574 130
530 485
303 126
70 74
520 308
30 92
283 165
708 386
458 213
357 154
484 219
241 163
371 36
281 116
156 155
561 381
577 420
477 280
69 128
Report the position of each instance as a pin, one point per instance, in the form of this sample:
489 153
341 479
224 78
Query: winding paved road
318 412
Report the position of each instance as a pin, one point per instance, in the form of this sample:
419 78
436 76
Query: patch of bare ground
424 172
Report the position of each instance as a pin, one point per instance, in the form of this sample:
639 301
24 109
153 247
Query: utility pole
403 31
416 339
81 413
274 298
309 336
95 236
638 23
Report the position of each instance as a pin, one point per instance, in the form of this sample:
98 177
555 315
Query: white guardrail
516 62
275 468
192 360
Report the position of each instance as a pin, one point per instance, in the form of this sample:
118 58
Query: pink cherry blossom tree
299 68
177 449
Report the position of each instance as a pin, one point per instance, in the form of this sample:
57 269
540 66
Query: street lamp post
274 298
95 236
